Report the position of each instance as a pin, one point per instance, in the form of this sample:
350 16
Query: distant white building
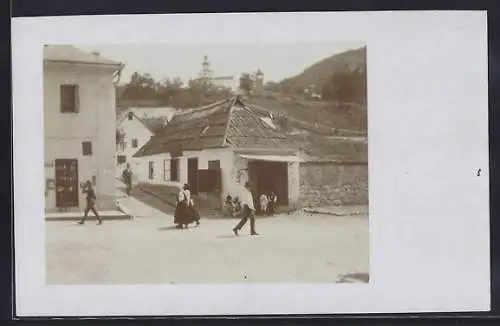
207 74
134 127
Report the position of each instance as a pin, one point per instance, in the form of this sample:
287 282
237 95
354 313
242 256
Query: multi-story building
79 132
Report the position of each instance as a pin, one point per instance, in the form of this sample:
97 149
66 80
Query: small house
218 147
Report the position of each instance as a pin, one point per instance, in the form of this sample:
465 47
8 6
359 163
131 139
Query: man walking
246 199
91 198
127 178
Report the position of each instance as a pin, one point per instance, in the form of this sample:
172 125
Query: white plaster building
135 127
217 148
79 108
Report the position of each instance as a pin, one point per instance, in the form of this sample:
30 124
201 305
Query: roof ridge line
234 99
201 108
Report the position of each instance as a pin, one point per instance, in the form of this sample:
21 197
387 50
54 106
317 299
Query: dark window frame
120 161
87 148
69 97
175 169
135 143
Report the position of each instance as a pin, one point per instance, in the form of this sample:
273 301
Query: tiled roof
228 123
69 53
154 124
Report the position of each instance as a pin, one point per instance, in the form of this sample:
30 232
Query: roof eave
115 65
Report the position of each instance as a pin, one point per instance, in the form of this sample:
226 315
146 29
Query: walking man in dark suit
91 198
248 212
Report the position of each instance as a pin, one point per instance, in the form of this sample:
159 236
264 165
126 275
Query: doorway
66 183
268 176
193 174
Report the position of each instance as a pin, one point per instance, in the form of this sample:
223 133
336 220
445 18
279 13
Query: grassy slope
319 73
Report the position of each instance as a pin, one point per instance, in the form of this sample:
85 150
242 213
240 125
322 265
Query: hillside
316 116
319 73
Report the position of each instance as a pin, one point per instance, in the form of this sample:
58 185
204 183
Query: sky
277 61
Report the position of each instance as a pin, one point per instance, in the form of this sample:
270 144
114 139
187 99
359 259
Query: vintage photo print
193 172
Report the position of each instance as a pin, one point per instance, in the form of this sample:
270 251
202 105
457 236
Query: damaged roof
229 123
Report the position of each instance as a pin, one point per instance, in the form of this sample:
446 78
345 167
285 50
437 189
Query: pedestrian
228 206
180 209
248 210
263 201
236 206
127 178
90 205
273 204
185 213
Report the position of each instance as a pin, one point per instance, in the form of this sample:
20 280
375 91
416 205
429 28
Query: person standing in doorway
127 178
91 198
273 204
248 210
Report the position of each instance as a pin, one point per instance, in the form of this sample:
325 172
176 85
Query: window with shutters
166 170
174 169
69 97
151 170
87 148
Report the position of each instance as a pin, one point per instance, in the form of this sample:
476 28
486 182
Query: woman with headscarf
181 210
185 213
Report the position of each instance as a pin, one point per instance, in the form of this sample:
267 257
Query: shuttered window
174 169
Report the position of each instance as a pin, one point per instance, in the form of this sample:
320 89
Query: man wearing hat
246 200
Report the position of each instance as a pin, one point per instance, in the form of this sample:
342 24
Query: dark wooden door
193 174
66 182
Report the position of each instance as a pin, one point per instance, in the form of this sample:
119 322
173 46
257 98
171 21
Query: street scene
193 164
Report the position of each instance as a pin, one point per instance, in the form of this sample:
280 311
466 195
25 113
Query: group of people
268 203
185 210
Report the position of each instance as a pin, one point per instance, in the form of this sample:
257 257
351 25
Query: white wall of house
65 132
132 130
225 157
234 171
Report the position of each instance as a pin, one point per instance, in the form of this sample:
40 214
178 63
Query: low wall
328 183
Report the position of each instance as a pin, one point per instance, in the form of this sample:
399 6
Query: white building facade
79 108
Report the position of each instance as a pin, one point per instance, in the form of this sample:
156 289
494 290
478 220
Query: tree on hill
141 86
346 86
320 73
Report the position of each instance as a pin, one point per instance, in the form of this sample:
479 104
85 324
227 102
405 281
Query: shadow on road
226 236
169 228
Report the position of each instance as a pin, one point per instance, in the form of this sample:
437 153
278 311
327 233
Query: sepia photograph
206 163
249 164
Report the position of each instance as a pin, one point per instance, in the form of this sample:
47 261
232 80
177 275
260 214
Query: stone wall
327 183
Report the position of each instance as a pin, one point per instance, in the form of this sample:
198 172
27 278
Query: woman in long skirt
181 210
